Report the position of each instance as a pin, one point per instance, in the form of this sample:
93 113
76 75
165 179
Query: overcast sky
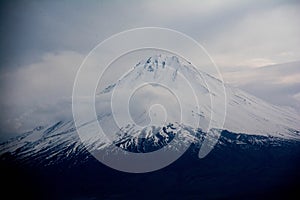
44 42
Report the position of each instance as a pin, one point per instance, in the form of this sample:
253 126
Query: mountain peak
161 61
156 67
244 112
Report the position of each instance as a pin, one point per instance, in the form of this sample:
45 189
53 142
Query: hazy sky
44 42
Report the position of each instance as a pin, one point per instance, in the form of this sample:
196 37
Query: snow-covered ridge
59 142
245 113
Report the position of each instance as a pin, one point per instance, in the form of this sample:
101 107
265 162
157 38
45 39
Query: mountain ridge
260 116
62 136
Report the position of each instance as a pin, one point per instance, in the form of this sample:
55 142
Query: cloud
270 34
297 97
291 79
278 84
256 62
38 93
238 30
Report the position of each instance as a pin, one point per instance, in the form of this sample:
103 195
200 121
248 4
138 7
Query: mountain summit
244 112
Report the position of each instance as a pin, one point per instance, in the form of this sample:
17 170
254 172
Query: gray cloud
38 93
278 84
33 28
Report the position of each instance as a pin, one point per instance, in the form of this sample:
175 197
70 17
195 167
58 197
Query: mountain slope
58 166
244 112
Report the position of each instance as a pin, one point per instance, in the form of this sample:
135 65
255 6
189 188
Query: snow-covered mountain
257 151
60 167
244 112
169 81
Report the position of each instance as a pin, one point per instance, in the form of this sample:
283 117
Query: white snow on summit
244 112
